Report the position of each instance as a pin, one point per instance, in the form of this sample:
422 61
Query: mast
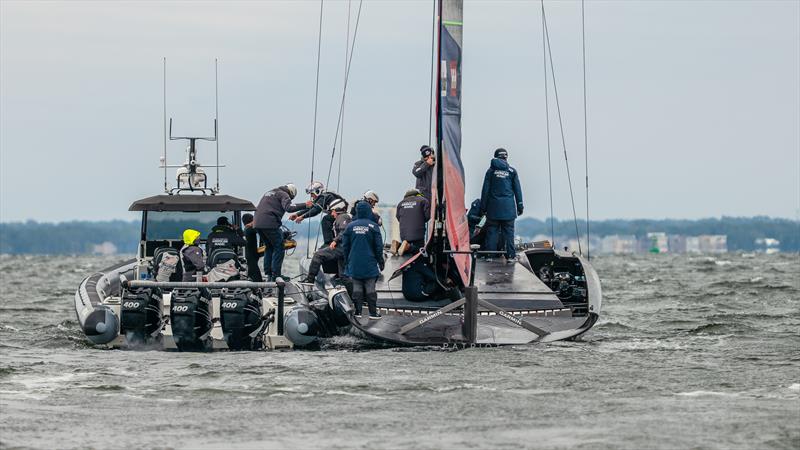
439 214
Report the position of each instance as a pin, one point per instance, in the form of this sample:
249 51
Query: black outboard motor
141 320
190 316
242 323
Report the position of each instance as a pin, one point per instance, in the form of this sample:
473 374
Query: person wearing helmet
501 201
192 258
362 245
321 200
371 198
423 171
412 213
333 251
268 221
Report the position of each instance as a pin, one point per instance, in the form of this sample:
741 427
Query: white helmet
337 205
292 190
316 188
371 195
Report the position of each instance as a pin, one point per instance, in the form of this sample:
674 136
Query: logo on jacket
501 173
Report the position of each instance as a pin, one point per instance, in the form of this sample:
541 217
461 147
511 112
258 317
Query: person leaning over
412 213
268 220
362 246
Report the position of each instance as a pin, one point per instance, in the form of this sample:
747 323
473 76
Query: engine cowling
140 315
190 318
242 323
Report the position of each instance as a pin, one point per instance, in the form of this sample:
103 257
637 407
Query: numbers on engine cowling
131 305
229 305
180 308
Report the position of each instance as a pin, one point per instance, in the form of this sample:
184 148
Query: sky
693 106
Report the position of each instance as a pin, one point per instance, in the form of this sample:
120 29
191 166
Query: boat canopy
192 203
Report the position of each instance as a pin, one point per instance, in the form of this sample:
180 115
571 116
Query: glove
519 210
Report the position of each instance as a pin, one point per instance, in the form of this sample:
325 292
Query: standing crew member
501 201
321 200
269 213
192 258
362 246
333 251
413 213
251 248
423 170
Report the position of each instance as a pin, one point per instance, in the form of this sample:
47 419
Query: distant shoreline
746 234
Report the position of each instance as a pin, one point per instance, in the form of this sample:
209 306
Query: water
691 352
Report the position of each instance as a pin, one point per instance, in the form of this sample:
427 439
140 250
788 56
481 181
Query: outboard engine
190 317
242 323
301 326
140 312
341 306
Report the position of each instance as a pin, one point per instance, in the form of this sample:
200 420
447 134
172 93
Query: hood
189 236
499 164
363 210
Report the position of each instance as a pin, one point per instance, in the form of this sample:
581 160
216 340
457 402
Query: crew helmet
292 190
371 195
412 192
315 188
337 205
190 236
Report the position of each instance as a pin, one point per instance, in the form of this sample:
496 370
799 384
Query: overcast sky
694 107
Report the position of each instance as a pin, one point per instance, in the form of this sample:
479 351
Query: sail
456 226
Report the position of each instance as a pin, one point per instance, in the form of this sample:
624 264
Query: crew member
321 199
423 170
251 248
333 251
477 230
501 201
362 246
192 258
371 198
269 213
413 213
223 235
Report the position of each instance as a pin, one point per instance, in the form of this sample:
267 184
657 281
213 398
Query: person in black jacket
412 213
477 232
501 201
269 214
332 251
223 235
321 200
362 245
251 248
423 171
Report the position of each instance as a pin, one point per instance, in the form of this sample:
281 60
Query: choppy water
691 352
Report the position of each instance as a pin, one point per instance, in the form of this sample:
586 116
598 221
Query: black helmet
501 153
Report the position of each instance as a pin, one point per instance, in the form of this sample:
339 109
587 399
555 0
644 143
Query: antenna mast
164 157
216 115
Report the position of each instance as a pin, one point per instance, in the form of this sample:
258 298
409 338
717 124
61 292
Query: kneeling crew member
333 251
413 213
321 200
362 246
501 200
192 258
269 213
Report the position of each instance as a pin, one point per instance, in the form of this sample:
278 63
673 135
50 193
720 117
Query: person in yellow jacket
192 256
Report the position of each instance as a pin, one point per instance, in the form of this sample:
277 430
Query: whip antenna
164 156
216 114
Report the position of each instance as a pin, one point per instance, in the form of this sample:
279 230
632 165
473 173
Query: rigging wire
344 92
316 103
547 126
433 74
561 126
585 127
346 58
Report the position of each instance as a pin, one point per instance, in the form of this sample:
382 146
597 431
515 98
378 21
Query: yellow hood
189 236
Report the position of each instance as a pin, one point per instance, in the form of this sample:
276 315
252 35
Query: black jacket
424 174
339 225
362 245
192 259
413 213
419 282
222 236
321 203
273 205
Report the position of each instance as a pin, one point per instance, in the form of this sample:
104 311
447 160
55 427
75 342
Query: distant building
768 245
659 242
693 244
106 248
713 243
618 244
